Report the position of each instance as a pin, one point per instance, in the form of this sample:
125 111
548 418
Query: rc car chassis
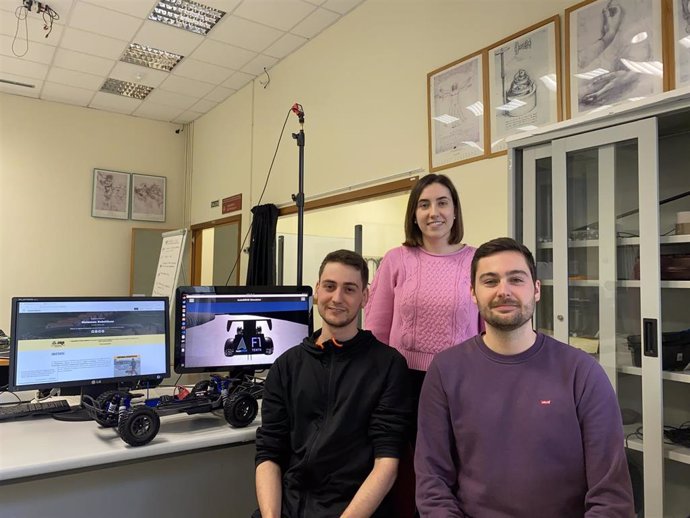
138 420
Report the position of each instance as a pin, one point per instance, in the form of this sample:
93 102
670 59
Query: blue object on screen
223 328
96 343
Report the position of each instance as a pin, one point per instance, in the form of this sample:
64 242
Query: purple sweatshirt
420 303
534 434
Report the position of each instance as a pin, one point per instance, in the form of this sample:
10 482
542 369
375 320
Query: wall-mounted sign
232 203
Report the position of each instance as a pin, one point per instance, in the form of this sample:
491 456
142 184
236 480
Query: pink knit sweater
420 303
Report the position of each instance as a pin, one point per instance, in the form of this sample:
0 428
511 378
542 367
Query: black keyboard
33 409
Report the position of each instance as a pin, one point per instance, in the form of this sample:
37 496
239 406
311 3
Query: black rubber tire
102 402
240 409
139 425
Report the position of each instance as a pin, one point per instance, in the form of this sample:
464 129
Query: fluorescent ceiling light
592 74
150 57
477 108
654 68
640 36
125 88
190 16
550 82
515 103
685 42
446 119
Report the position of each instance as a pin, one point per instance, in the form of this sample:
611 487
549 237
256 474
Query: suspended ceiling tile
30 51
20 67
227 6
187 116
83 62
238 80
31 26
165 37
281 14
195 69
66 94
94 44
186 86
21 90
211 51
203 106
106 22
256 66
219 94
315 2
162 112
244 33
285 46
315 23
114 103
138 8
138 74
73 78
172 99
341 6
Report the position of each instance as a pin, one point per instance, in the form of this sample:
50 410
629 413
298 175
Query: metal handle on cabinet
651 346
560 318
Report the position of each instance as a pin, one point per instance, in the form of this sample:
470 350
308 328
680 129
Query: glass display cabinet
602 203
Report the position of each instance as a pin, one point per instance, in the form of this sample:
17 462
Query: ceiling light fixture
125 88
150 57
187 15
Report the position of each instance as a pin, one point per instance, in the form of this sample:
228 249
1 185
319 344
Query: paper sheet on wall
169 264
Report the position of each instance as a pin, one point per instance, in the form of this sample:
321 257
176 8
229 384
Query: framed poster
455 103
524 81
613 54
110 196
148 197
681 41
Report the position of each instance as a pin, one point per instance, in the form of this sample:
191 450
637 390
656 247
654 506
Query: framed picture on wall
455 103
613 53
110 197
524 81
148 197
681 39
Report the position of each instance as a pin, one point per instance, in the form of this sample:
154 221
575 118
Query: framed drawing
110 197
681 41
148 197
455 104
613 53
524 81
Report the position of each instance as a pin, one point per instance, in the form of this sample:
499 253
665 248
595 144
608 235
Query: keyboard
33 409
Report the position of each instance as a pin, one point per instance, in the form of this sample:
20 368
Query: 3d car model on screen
249 338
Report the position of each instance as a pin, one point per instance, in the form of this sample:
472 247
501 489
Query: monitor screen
88 341
220 328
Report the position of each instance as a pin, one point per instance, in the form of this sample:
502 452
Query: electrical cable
268 176
18 13
3 390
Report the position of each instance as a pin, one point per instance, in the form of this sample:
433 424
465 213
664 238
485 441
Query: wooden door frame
197 240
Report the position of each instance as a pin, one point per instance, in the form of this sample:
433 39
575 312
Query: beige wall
363 87
50 244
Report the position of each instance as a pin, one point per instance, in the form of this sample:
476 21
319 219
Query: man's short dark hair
503 244
413 236
348 258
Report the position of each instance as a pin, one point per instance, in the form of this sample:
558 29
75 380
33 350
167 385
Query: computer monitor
232 328
96 343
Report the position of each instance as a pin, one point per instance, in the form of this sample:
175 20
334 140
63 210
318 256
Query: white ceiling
86 43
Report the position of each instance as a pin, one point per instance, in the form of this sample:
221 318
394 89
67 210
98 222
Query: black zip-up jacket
326 415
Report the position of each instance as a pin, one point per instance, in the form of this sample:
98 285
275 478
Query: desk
195 466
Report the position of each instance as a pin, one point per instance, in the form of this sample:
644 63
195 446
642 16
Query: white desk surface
42 445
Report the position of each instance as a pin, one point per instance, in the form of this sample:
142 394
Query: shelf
671 451
680 376
621 241
621 284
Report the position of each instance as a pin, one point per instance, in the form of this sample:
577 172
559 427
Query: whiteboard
169 264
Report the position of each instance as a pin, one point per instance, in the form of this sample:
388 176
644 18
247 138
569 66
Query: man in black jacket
335 411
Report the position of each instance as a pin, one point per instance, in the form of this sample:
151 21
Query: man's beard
510 322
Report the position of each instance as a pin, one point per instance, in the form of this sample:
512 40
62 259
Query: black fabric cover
262 253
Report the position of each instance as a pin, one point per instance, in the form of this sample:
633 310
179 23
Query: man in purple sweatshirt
515 424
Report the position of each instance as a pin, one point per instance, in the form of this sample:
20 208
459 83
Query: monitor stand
80 413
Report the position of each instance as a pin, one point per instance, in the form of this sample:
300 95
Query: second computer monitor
221 328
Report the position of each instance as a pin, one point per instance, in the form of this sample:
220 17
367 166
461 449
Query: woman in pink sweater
419 302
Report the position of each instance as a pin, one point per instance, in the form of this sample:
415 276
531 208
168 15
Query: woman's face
435 213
